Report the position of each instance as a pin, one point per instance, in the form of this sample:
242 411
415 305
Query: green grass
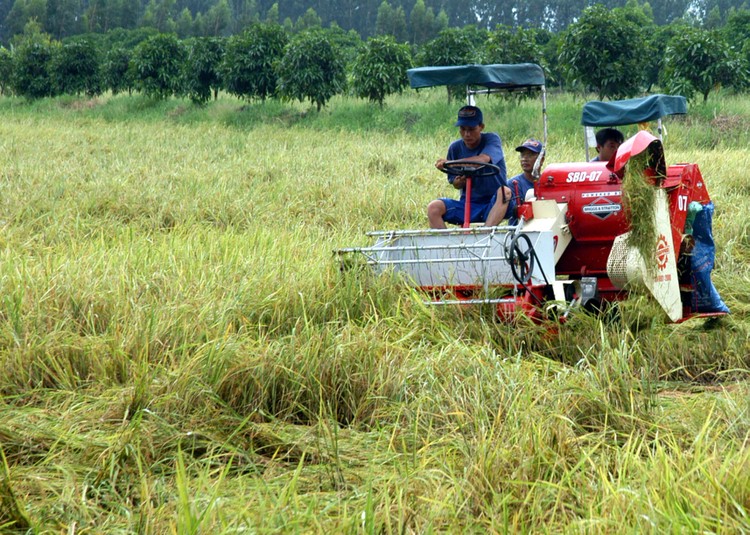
179 351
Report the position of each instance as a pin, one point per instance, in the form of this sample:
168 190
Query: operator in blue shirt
474 146
520 184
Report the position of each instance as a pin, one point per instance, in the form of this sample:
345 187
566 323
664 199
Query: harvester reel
521 258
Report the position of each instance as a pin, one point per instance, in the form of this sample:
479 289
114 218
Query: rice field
180 353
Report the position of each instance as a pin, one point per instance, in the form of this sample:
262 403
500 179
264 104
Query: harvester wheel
521 258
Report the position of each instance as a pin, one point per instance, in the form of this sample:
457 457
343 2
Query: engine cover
595 213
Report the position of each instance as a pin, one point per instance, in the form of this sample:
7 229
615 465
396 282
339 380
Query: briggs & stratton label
602 208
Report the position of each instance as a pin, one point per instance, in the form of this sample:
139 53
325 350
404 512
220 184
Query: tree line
615 53
221 18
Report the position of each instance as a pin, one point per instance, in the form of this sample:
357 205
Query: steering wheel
472 169
521 258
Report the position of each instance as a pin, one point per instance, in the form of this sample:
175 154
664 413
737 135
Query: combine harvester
575 244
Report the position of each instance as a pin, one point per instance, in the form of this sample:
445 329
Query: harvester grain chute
574 242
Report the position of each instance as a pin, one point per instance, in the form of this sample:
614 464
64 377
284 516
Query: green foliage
737 28
31 71
713 19
63 18
193 18
737 31
272 15
551 47
217 21
506 45
451 47
75 69
441 21
97 40
6 70
698 61
158 64
160 14
248 68
655 38
101 16
604 52
244 13
117 74
421 23
24 12
184 25
656 44
201 76
380 69
32 33
391 21
478 38
311 69
127 39
346 43
309 20
641 14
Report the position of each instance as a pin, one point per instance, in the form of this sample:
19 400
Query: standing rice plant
618 392
179 350
12 510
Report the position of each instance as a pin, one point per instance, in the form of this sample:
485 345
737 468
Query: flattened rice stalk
639 196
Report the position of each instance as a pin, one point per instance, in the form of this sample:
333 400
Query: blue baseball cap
469 116
532 144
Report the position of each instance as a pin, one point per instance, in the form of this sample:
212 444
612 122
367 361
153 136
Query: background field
179 351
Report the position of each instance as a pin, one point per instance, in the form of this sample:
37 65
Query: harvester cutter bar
487 301
424 232
439 260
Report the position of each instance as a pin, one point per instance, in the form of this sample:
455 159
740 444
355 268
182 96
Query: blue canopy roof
632 111
499 76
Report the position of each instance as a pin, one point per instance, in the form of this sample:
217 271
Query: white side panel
458 257
550 216
626 266
663 282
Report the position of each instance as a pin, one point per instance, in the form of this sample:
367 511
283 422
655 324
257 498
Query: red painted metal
595 213
632 147
684 184
595 216
525 303
467 206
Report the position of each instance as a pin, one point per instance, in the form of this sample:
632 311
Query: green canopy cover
510 77
632 111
